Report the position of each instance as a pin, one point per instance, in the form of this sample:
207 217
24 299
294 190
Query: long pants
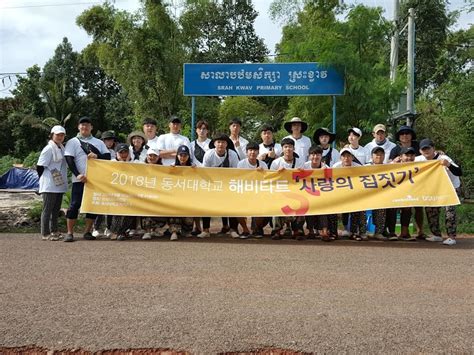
378 218
231 222
120 224
100 218
50 213
432 213
358 223
391 220
450 221
317 222
405 216
332 223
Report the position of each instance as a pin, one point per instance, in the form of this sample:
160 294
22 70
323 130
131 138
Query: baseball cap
175 119
377 149
346 150
425 143
182 149
407 150
121 147
380 127
58 130
149 121
355 130
152 151
84 119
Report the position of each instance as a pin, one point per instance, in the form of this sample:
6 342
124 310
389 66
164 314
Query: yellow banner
119 188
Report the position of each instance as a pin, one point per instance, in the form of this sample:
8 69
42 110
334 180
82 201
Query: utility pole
394 43
411 66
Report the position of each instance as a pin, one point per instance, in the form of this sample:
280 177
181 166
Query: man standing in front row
454 171
168 143
78 150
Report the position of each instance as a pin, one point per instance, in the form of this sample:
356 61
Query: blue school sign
282 79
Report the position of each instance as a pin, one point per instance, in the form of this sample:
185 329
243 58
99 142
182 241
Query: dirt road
222 295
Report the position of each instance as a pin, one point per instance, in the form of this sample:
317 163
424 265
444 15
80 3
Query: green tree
141 51
251 112
358 45
221 32
432 22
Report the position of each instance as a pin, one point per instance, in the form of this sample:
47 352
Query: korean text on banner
118 188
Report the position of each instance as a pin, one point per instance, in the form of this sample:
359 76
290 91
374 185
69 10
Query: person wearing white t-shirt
78 150
168 143
52 172
324 138
149 129
361 155
358 227
138 146
321 222
428 152
220 155
380 139
296 127
268 150
288 161
200 146
240 143
251 162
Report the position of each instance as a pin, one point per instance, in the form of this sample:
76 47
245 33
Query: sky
30 30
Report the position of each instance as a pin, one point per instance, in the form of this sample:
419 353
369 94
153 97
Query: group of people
295 151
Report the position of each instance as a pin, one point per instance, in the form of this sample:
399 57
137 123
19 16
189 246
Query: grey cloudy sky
30 30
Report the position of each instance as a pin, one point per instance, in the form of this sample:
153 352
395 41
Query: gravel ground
221 295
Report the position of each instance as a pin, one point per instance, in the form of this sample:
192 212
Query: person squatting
295 151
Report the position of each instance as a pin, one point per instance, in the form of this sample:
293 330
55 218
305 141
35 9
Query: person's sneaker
55 236
449 241
393 237
244 236
174 236
224 230
132 232
346 233
68 238
421 236
234 234
258 234
113 236
45 237
146 236
434 238
364 237
195 232
88 236
379 236
204 235
121 237
107 232
96 233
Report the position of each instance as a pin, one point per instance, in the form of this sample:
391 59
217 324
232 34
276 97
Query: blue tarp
20 178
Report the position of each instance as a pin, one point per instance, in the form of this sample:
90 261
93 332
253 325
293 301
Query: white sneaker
434 238
449 241
234 234
346 233
95 233
132 232
107 232
146 236
204 235
174 236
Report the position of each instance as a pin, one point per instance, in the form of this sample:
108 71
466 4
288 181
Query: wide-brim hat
136 134
405 129
222 137
323 132
287 125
